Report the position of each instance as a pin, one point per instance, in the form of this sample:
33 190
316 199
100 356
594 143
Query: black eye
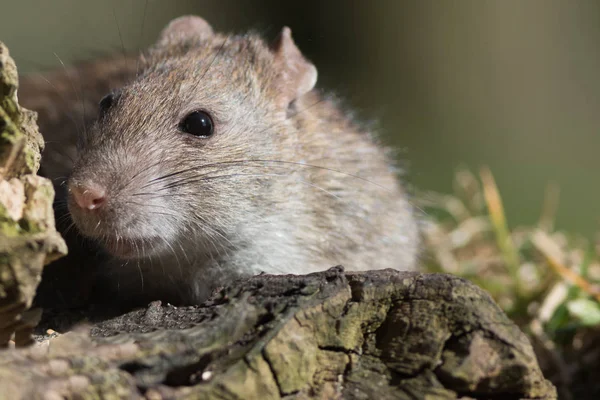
197 123
107 102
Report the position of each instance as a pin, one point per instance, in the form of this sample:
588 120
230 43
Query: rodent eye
107 102
197 123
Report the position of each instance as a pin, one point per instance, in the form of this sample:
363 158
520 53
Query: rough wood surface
28 238
376 335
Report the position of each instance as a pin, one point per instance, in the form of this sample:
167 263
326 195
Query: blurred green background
508 83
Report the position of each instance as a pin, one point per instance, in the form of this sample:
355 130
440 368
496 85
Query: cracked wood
380 334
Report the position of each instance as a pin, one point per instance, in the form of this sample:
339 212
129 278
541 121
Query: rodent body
283 181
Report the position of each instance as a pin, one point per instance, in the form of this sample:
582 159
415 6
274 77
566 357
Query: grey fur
276 189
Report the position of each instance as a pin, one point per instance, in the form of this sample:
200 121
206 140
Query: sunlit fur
275 190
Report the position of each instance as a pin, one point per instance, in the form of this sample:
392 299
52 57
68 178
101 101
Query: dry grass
546 280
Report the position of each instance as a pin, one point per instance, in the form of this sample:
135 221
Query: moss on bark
380 334
28 239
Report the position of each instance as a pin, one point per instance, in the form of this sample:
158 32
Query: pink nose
89 197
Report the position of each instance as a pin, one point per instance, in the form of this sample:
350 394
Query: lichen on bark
374 335
28 238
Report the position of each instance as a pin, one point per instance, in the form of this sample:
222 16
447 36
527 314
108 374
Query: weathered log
28 238
379 334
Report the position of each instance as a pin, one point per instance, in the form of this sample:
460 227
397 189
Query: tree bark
28 238
374 335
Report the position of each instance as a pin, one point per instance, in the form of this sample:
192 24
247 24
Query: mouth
132 248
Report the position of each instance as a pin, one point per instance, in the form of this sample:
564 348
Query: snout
126 226
91 207
88 196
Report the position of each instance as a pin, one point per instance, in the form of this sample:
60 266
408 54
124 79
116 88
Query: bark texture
374 335
28 238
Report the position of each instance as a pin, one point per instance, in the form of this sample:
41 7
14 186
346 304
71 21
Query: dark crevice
275 377
134 367
189 375
495 396
187 371
356 291
263 320
338 349
399 377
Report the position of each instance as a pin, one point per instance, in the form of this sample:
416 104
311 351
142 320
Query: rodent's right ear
186 27
297 75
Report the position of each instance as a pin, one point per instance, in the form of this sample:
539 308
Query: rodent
219 159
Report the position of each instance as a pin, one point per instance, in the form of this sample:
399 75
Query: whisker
155 206
192 181
64 178
77 94
209 233
137 63
174 254
62 97
119 31
217 54
141 273
61 203
184 253
294 115
229 162
193 178
71 225
141 171
82 102
237 162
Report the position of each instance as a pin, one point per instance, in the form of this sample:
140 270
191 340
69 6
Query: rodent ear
297 75
186 27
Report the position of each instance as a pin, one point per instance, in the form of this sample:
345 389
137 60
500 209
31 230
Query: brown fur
288 183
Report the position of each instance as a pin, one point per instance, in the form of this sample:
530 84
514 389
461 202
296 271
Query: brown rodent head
174 155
